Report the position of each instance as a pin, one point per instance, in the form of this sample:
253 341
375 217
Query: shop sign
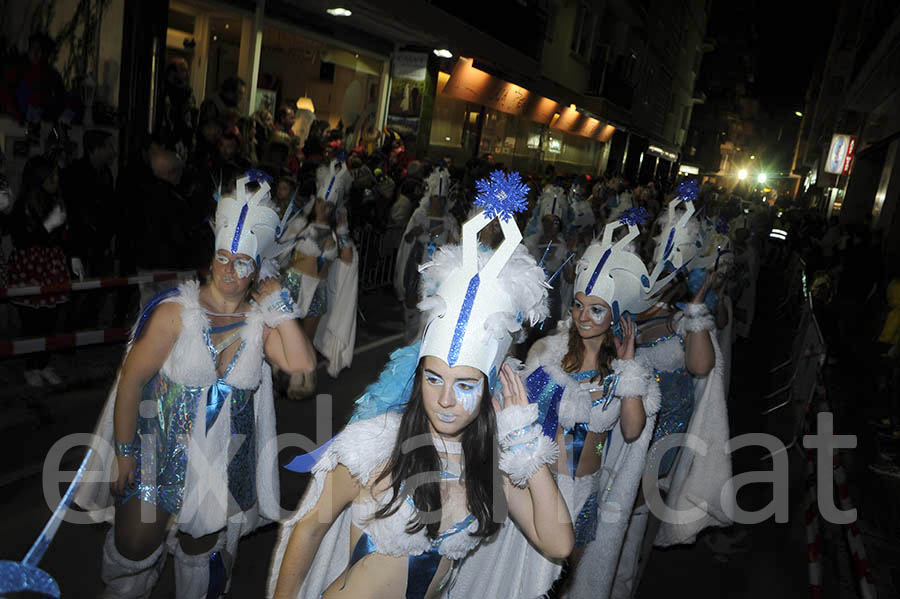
840 154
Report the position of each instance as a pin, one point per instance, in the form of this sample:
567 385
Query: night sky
789 39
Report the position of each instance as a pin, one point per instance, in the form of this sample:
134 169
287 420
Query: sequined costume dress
665 356
362 447
312 241
190 420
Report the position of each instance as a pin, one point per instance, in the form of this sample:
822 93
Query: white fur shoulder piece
547 353
665 356
247 371
363 446
189 362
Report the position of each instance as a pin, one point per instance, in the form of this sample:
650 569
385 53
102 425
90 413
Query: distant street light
798 113
443 53
752 157
742 174
761 178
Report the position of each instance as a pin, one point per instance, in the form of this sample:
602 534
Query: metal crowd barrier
31 345
377 254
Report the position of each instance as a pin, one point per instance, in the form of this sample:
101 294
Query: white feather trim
307 247
633 378
522 463
513 418
547 353
366 444
189 361
697 318
523 279
666 355
272 317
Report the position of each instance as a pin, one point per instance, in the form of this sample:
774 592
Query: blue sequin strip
669 243
590 285
238 229
330 183
463 320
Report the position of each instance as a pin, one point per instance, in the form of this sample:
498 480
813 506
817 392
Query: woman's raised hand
514 393
265 287
625 347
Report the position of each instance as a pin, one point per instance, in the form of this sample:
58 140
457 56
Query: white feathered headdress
474 302
247 224
333 182
679 241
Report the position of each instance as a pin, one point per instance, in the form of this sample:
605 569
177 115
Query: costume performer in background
678 344
320 267
430 226
377 520
194 389
591 395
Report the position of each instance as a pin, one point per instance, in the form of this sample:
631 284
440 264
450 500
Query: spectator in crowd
284 119
178 112
223 106
40 236
88 191
32 88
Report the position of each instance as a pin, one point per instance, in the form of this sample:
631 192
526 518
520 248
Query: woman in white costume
678 344
600 404
430 226
194 389
411 486
320 269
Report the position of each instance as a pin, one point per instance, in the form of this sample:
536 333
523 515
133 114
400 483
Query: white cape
700 487
336 334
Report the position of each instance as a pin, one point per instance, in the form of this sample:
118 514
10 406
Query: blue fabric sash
215 399
578 433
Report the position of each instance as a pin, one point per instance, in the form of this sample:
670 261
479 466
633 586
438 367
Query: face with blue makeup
591 315
452 396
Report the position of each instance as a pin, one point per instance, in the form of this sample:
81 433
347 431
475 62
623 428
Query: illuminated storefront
476 113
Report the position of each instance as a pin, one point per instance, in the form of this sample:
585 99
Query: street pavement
766 559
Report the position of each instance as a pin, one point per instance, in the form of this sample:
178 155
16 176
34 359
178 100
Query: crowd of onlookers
75 220
856 297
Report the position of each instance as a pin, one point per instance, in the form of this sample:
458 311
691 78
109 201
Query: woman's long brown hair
575 355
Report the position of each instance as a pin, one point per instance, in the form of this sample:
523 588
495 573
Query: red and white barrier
23 291
813 537
18 347
64 341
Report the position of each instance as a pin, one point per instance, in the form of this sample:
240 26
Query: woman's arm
539 509
286 345
339 490
632 416
699 355
146 357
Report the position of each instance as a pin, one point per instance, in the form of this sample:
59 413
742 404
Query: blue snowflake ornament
687 190
259 176
501 194
634 216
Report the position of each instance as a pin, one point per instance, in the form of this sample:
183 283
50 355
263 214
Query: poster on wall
265 98
408 80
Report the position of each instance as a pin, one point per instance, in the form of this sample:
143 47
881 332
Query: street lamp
742 174
761 178
798 113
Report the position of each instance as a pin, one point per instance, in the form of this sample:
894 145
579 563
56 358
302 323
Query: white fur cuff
632 378
697 318
601 420
521 464
277 307
513 418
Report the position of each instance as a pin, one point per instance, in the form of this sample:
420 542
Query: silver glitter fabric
292 281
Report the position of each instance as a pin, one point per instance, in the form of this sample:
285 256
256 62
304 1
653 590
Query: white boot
203 576
623 585
127 579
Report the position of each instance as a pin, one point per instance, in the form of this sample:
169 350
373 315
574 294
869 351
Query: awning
479 87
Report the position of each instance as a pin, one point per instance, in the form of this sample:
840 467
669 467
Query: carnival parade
373 323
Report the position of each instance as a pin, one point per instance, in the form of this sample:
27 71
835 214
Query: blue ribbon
576 445
215 399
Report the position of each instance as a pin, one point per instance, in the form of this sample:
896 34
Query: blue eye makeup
467 394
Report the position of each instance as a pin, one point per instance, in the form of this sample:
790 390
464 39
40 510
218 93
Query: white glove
56 218
78 268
